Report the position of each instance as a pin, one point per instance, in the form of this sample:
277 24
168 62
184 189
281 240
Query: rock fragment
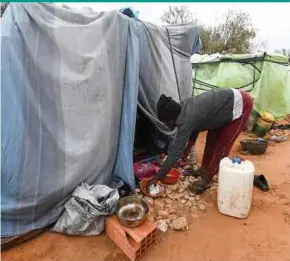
186 184
183 201
162 225
180 224
202 206
191 198
188 204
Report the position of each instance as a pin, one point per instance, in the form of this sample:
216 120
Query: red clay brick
134 242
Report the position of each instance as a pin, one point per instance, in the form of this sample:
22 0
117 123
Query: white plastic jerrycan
235 187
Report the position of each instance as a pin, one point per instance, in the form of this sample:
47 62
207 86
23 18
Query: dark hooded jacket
207 111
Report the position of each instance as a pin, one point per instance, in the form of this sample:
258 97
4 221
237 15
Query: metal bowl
132 211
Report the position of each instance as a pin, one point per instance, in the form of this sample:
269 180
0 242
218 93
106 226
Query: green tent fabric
265 76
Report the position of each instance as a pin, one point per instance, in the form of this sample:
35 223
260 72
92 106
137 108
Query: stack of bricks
134 242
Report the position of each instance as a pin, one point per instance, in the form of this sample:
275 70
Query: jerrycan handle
236 160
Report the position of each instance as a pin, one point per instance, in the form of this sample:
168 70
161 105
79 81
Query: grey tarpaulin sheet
69 85
156 70
84 213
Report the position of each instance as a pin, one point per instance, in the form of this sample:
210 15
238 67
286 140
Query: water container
235 186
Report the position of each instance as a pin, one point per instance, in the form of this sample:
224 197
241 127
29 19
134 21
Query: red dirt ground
264 235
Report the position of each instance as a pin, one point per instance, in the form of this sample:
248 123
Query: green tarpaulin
265 76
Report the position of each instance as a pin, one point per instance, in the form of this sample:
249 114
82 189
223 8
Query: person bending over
223 113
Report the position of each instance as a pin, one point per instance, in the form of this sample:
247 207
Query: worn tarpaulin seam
173 62
193 81
216 87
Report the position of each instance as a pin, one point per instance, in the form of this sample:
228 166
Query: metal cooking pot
132 211
254 146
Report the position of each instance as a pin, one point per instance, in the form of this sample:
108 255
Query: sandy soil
264 235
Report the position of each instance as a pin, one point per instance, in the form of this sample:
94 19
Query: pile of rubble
170 210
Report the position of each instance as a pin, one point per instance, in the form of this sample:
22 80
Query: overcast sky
271 19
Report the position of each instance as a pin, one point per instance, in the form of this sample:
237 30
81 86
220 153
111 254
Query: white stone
188 204
179 224
202 206
186 184
197 197
162 225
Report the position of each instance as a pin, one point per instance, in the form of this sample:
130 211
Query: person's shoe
261 183
199 186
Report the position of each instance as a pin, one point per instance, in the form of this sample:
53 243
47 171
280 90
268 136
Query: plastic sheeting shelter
70 85
265 76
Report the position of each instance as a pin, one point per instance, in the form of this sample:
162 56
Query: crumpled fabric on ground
85 211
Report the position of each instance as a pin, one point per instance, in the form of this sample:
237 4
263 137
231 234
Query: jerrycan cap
236 160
